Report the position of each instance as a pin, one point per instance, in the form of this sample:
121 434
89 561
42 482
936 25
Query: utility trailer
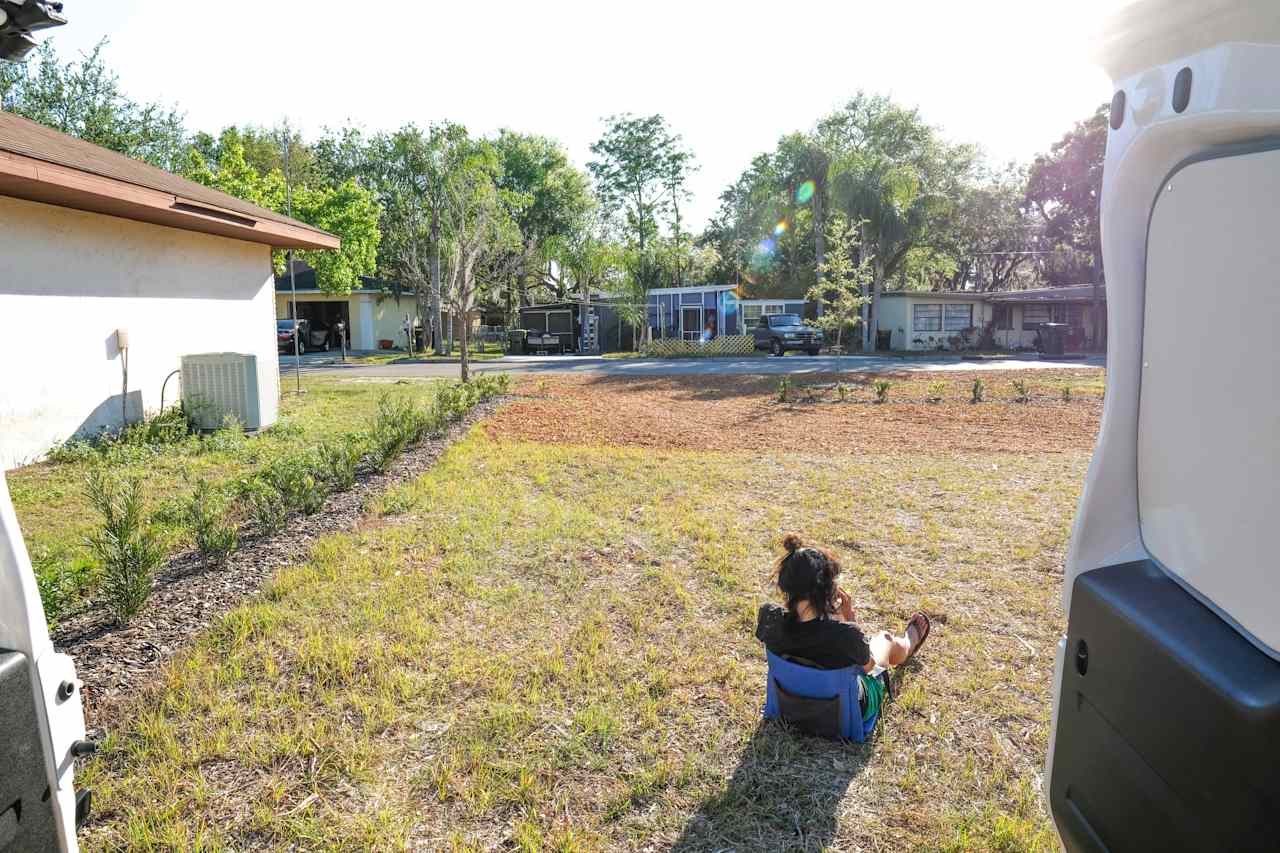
1166 718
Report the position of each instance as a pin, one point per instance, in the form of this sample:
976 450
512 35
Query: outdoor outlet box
122 339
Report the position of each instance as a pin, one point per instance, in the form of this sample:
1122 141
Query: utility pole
293 285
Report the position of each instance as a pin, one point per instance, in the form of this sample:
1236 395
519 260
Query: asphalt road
327 364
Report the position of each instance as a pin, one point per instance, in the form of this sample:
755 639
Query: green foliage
265 505
977 391
126 547
60 583
881 387
842 392
350 212
228 438
838 293
215 536
936 391
296 480
784 389
339 459
397 423
1066 393
1021 391
82 98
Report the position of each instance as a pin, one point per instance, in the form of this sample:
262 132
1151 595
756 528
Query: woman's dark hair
807 574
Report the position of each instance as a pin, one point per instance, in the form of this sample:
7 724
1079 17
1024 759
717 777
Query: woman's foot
917 632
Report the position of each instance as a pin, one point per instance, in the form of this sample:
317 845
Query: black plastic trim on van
1168 735
27 823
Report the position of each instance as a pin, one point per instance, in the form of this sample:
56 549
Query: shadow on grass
785 794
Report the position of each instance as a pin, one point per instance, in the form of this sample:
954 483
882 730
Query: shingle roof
190 203
1068 293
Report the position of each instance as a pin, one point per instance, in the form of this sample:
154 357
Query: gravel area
113 660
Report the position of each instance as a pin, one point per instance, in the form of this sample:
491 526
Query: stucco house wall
69 279
897 312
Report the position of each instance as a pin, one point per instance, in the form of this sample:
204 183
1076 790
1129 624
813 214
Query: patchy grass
548 647
56 516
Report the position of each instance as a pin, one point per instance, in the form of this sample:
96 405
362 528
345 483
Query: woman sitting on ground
816 627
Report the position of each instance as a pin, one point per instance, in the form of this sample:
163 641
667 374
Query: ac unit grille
215 385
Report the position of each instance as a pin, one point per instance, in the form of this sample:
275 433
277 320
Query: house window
926 318
751 315
958 318
774 308
1004 317
1034 315
694 298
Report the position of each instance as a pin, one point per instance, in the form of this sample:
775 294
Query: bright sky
731 77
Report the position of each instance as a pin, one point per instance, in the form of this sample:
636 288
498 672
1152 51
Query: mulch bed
114 660
742 413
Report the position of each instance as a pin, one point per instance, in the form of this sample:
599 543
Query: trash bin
515 341
884 340
1053 338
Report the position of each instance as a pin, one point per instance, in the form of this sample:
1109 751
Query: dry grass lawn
546 642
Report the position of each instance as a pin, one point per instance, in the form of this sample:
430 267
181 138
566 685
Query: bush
882 387
60 584
979 388
397 423
338 461
1066 393
73 451
127 548
294 478
228 438
215 536
1021 391
266 506
842 392
937 390
784 389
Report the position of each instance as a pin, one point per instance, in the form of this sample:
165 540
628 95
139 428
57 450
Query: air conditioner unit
218 384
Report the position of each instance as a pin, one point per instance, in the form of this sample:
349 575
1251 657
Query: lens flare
766 246
804 192
780 229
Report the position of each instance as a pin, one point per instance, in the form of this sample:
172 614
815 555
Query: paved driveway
791 365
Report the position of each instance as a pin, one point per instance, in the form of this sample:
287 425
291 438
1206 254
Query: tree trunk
465 365
819 242
437 316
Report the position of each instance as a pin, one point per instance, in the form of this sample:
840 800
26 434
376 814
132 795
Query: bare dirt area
734 413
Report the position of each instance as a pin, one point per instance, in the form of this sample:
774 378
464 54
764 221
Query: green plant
126 546
1066 393
882 387
1021 391
842 392
979 388
228 438
215 536
339 459
266 505
937 390
72 452
784 389
397 423
60 583
294 479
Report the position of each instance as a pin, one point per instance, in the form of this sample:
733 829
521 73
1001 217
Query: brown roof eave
51 183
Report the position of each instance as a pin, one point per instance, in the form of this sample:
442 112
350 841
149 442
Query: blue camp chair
822 702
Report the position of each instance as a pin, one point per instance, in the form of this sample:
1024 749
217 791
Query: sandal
921 621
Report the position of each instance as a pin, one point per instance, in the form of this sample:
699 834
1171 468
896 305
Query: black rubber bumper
1168 724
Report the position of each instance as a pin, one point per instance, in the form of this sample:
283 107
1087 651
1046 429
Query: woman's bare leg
889 651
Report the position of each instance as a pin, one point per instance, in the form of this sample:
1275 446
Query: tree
639 161
985 240
842 279
1064 188
892 172
82 98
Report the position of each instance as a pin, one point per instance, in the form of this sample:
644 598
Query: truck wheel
776 348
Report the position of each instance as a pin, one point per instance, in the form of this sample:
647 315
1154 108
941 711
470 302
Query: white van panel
1209 415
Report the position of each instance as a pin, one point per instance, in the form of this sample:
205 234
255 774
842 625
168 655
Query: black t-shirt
823 643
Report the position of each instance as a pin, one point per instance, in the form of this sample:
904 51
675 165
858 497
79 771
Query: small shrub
784 389
228 438
978 390
216 537
339 460
397 423
73 452
126 547
59 582
294 479
842 392
937 390
1021 391
1066 393
265 505
882 387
